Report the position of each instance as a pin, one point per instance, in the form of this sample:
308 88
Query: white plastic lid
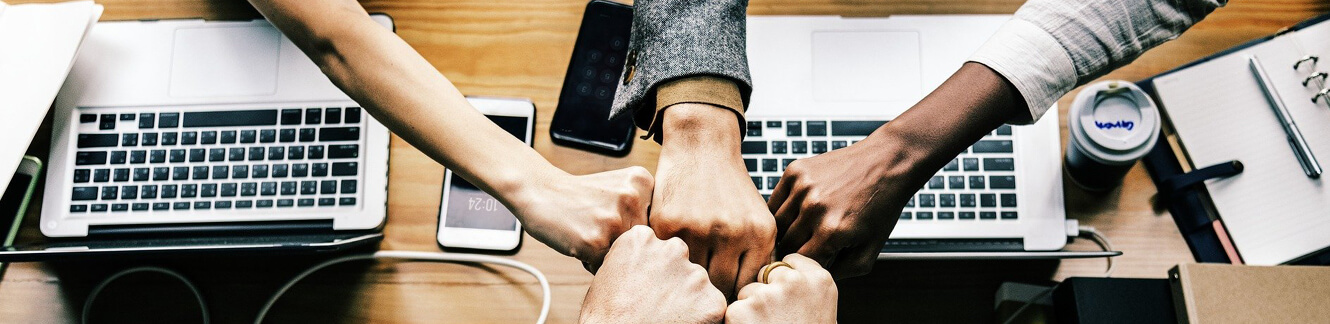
1114 122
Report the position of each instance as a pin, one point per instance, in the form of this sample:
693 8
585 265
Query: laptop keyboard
156 160
978 185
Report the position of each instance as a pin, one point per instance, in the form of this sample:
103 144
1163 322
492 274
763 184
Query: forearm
971 103
405 92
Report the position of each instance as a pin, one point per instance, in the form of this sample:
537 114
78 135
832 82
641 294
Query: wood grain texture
521 49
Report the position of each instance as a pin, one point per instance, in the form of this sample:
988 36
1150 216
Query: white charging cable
92 296
422 256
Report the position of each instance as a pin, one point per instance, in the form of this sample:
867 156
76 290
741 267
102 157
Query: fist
648 280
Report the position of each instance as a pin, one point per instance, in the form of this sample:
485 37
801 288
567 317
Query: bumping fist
647 280
803 292
580 216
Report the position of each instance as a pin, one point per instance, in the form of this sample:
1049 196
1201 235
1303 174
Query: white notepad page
37 47
1272 211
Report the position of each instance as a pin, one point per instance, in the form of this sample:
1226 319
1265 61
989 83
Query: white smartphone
15 198
470 218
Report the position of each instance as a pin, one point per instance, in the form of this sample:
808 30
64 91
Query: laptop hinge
954 245
228 228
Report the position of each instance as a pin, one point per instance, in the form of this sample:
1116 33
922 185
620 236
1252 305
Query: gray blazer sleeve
673 39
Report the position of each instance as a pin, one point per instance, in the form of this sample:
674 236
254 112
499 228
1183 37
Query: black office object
1114 300
582 118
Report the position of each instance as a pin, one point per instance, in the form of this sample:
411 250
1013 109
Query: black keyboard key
179 173
769 165
208 137
987 200
751 147
290 116
287 135
168 120
855 127
276 153
189 138
327 201
126 117
927 200
268 188
235 154
217 155
987 215
295 153
289 188
309 187
169 191
906 216
1004 130
228 137
1002 182
989 146
157 156
785 163
319 169
1009 215
349 186
90 158
299 170
139 206
779 147
169 138
345 151
937 182
208 190
757 182
819 147
1008 200
923 215
260 171
147 120
177 155
224 204
306 202
138 157
189 190
244 204
110 192
84 193
999 164
965 215
345 168
328 187
952 166
247 136
120 175
249 189
161 206
946 200
956 182
87 118
142 174
754 128
339 134
313 116
283 203
180 206
346 201
240 172
221 172
119 207
265 203
332 116
279 171
118 157
229 189
267 136
256 154
771 182
751 164
817 128
967 200
148 192
98 207
231 118
108 122
201 173
799 147
946 215
307 134
98 140
129 192
352 115
148 139
977 182
970 164
773 124
315 151
82 175
101 175
794 128
836 145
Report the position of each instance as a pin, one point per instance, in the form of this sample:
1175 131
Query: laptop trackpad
866 66
226 61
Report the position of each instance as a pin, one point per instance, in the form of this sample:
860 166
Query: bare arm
576 215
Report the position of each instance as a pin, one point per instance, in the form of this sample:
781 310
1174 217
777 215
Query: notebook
1213 293
39 42
1272 212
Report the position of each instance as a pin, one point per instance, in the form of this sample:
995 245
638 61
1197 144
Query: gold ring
766 270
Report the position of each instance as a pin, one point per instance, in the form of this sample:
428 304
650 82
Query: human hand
647 280
838 208
800 293
580 216
704 196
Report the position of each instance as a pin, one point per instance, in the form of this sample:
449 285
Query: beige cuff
711 90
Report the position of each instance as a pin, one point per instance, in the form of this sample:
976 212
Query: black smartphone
582 119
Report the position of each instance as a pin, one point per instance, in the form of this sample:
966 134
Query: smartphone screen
582 118
469 207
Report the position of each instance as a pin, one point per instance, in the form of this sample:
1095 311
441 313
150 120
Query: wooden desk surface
521 49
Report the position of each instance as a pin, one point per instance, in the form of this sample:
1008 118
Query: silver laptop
822 83
195 127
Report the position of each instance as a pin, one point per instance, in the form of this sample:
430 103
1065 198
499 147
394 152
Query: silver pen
1300 148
